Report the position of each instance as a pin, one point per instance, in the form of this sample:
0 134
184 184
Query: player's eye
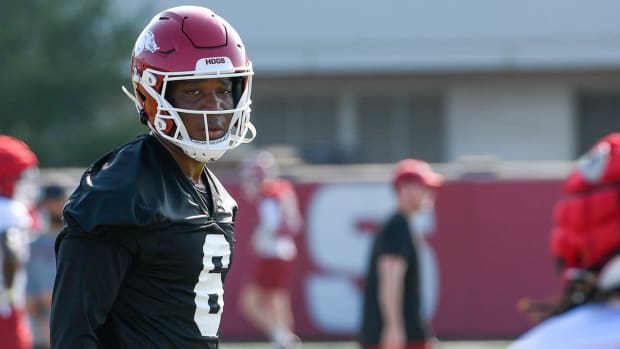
193 92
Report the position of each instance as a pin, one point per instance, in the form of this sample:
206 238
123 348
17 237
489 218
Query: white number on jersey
209 289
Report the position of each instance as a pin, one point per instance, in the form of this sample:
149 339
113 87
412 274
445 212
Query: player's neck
406 211
190 167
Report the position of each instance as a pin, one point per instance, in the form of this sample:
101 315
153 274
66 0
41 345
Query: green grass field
352 345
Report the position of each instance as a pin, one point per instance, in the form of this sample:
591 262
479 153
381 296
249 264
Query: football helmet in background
262 165
18 170
185 43
255 170
586 235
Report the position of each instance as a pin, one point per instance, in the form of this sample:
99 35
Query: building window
396 127
386 128
598 114
308 124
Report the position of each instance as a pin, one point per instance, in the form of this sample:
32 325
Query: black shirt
394 238
143 255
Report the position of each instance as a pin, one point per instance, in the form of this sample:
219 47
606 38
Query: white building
362 81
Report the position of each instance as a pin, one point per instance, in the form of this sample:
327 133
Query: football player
392 316
148 235
265 300
41 267
586 243
18 190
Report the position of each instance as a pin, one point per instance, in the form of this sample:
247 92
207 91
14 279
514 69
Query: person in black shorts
392 318
148 234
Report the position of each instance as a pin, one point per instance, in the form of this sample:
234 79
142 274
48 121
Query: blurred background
501 96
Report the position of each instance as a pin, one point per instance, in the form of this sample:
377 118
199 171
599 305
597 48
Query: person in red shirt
265 301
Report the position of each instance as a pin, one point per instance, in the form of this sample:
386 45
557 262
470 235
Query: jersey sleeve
395 239
89 275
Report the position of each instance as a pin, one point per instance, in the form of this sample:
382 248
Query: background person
392 315
18 188
41 267
265 300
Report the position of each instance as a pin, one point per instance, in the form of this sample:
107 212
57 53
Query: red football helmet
255 170
17 162
586 234
186 43
261 165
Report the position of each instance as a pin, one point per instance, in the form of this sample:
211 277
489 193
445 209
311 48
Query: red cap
15 157
416 170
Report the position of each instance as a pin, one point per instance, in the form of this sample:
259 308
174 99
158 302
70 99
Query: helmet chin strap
203 155
144 119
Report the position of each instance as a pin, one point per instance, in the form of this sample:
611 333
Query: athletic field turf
352 345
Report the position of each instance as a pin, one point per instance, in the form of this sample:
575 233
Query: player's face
204 95
250 186
53 207
412 195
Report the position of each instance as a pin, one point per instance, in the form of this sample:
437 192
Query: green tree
61 67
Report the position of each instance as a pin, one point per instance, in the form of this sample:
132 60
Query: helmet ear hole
149 78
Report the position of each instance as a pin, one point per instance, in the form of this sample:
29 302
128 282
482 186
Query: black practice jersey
394 238
143 255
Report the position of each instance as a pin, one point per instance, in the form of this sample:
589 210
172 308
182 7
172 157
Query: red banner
489 249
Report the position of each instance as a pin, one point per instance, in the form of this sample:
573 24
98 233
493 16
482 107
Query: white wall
513 119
